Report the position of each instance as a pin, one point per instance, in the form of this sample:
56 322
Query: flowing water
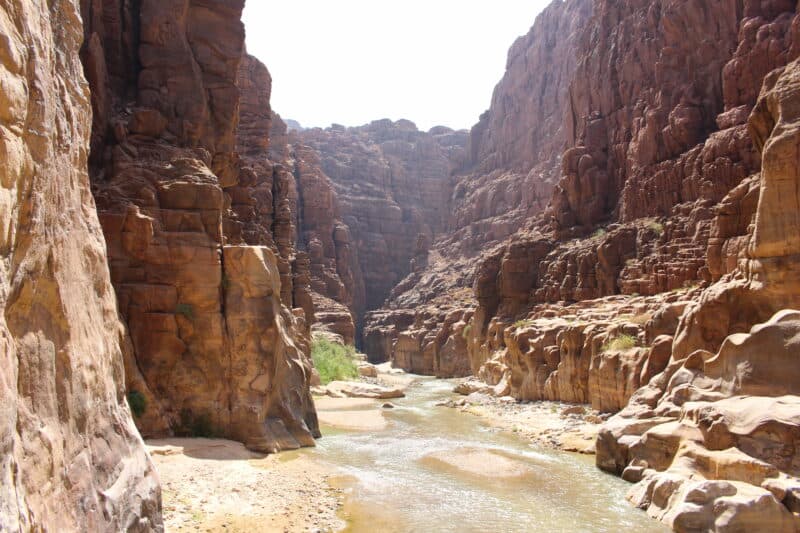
414 476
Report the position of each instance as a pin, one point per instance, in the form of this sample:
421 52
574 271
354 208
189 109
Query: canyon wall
393 186
712 440
511 167
70 456
652 190
657 202
200 224
660 279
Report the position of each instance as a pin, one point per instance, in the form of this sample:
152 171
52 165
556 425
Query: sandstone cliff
392 183
726 405
200 224
654 192
70 456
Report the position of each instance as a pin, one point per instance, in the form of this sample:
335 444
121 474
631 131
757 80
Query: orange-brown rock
201 225
70 456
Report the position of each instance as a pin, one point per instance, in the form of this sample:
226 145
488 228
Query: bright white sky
434 62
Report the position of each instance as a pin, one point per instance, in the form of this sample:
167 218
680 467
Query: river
436 469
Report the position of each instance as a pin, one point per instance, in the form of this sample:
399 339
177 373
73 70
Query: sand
218 485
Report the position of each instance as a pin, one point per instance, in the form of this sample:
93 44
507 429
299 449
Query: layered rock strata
70 456
677 199
201 225
711 440
392 183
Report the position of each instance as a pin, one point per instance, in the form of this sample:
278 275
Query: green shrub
333 361
137 402
621 342
656 226
599 232
465 332
186 310
195 426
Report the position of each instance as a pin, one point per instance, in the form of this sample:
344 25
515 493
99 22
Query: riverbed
418 466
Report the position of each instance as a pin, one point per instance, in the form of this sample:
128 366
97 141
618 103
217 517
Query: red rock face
200 225
728 378
655 148
391 182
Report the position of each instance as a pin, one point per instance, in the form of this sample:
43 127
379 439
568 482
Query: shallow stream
436 469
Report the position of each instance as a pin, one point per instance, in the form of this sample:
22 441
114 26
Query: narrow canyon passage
608 255
424 467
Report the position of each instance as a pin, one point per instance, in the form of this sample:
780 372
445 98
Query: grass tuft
333 361
621 342
656 227
195 426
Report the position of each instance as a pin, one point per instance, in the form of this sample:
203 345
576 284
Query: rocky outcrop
201 224
724 407
70 456
596 352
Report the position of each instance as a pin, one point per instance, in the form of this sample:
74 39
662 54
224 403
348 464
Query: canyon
620 229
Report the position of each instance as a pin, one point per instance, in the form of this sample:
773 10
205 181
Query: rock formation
725 408
619 229
506 176
200 224
70 456
392 184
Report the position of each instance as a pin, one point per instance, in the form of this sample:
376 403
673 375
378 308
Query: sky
434 62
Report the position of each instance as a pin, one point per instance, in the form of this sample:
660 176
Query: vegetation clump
621 342
195 425
185 310
523 323
333 361
656 226
137 402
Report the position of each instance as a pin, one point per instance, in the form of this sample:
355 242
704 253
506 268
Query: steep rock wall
70 456
392 186
728 396
201 238
654 193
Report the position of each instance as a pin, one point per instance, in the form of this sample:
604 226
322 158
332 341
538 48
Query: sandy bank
218 485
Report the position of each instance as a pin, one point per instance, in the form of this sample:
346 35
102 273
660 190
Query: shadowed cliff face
392 184
199 224
70 457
